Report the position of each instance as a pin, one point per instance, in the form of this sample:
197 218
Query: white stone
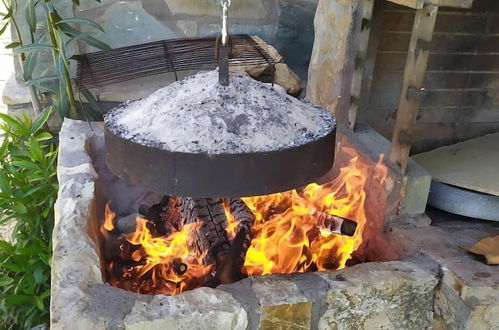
285 77
391 295
200 309
333 25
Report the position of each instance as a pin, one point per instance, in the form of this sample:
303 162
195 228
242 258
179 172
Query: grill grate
122 64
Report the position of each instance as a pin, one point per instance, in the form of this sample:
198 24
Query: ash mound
198 115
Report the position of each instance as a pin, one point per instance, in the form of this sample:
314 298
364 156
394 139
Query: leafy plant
56 35
28 189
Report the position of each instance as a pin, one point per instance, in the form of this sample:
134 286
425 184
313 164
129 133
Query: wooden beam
418 4
412 86
375 26
362 42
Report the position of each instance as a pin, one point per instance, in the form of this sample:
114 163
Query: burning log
164 218
211 213
231 269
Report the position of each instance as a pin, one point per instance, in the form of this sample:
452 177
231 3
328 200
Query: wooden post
375 26
361 42
412 86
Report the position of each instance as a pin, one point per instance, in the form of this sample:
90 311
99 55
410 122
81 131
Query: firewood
245 219
230 270
211 213
164 218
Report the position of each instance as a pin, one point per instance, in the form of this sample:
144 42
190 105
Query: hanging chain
225 18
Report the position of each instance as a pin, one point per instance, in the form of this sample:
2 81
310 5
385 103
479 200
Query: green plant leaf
41 80
3 148
96 111
38 275
5 280
19 208
12 45
9 13
76 2
35 149
4 184
41 120
25 164
4 27
17 299
44 136
14 124
31 16
32 47
63 97
6 247
81 20
39 303
29 65
96 43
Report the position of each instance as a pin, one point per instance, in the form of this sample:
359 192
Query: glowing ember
289 235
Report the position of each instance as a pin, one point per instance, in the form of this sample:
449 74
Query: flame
164 265
289 235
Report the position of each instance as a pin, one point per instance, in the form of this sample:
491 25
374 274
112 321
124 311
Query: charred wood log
164 218
211 213
231 269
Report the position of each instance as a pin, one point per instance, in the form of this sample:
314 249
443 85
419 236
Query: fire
164 265
289 235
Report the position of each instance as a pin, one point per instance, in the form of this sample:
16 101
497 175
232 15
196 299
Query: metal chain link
225 17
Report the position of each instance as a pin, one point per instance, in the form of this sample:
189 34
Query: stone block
285 77
286 316
254 9
200 309
283 302
392 295
416 188
333 27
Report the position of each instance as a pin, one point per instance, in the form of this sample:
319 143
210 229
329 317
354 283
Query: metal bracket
422 45
366 24
416 94
223 65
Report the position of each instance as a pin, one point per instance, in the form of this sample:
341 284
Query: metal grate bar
122 64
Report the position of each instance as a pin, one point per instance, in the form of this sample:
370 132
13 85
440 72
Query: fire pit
366 293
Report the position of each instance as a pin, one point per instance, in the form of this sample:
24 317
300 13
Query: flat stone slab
470 164
468 296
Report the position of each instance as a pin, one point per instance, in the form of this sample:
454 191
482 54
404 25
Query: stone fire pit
391 295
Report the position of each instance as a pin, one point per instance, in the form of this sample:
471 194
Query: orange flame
288 235
168 264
